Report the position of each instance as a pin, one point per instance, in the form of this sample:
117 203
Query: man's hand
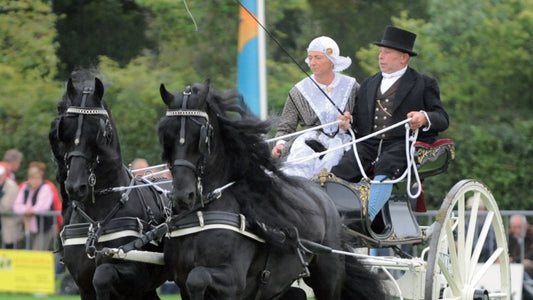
345 120
418 119
276 151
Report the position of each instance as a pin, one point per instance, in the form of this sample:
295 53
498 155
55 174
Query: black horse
85 144
239 224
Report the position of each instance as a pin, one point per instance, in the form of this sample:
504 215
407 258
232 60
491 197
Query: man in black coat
396 93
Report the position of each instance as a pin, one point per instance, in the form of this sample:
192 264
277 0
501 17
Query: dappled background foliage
480 52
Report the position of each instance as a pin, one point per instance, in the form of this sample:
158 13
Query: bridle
103 136
204 143
82 111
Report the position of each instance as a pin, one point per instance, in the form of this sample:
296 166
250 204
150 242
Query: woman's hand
276 151
345 120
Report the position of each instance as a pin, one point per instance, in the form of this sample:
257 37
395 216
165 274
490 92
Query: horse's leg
294 293
198 280
151 295
87 295
104 280
125 281
81 269
326 276
86 291
223 283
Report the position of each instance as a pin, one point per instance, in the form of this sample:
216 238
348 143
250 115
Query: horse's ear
71 90
203 91
98 88
207 84
165 95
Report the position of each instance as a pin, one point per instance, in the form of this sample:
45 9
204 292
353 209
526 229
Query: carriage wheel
455 267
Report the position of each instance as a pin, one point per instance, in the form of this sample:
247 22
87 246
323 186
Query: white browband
87 111
187 113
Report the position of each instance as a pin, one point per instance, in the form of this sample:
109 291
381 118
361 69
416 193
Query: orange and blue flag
248 73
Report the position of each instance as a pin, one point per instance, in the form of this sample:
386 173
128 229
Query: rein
96 228
410 140
164 228
92 235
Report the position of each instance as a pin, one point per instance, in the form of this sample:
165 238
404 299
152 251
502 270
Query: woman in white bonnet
307 105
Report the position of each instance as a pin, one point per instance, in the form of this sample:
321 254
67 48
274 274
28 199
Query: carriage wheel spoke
454 259
492 259
449 277
481 242
461 247
471 232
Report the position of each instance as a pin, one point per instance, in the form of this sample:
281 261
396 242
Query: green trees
480 51
27 67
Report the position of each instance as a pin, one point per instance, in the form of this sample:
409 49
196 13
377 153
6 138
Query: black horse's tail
359 283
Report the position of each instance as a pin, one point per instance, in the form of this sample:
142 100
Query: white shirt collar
395 74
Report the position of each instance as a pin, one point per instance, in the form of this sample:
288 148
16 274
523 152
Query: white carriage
450 264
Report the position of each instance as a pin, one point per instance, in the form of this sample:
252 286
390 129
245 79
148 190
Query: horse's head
185 136
80 135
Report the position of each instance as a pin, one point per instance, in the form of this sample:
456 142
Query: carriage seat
433 159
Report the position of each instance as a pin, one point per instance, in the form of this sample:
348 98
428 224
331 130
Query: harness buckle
264 277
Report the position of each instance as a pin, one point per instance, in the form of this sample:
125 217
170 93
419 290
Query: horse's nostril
81 191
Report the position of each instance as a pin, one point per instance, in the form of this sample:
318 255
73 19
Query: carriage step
403 220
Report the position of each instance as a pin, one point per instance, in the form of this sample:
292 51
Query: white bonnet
328 46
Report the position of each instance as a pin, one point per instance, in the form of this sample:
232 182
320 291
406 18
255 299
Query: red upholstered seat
436 144
432 159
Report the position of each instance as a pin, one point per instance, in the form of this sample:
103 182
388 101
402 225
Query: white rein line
353 142
150 168
381 260
409 152
124 188
301 132
409 155
152 174
146 177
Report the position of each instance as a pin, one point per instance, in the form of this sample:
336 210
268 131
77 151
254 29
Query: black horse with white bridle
240 227
85 144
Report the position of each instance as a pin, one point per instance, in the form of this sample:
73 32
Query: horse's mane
243 134
266 193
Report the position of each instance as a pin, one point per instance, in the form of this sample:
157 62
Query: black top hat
398 39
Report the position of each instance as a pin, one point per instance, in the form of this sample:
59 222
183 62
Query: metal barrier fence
26 241
425 218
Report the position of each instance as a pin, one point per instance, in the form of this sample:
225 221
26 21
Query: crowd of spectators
29 218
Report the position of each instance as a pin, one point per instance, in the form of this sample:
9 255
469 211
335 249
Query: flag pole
262 60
